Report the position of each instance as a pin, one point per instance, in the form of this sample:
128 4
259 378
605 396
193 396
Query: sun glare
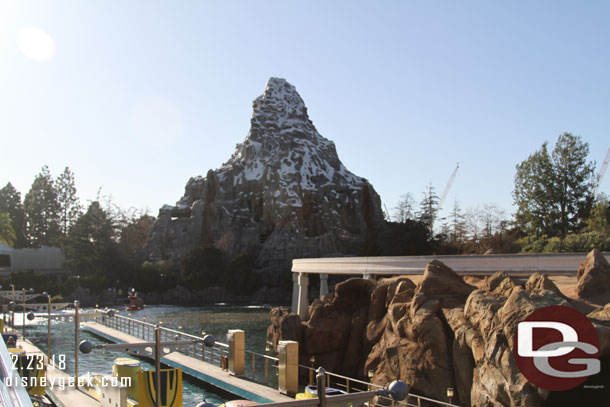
36 43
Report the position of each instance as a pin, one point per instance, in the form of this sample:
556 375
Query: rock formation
437 334
283 194
593 276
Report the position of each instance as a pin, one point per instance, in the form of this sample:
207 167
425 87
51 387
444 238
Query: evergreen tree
573 180
69 205
599 221
428 209
7 234
10 202
89 241
458 225
533 194
42 211
554 194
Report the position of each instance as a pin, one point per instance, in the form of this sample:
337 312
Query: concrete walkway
69 396
204 371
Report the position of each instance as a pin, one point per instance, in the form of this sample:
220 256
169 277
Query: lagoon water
215 320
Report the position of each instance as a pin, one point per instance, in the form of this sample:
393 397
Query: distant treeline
557 211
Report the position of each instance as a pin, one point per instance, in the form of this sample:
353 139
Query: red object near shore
135 303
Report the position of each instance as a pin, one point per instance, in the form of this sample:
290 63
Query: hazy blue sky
138 96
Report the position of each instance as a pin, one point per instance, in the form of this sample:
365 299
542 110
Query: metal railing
260 368
145 331
351 385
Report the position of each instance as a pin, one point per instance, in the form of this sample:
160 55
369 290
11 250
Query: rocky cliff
283 194
441 333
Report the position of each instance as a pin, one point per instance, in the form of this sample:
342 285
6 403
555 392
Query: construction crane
600 174
448 187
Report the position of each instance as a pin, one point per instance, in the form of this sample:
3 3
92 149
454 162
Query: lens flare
36 43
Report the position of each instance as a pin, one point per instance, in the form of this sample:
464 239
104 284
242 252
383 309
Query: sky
137 97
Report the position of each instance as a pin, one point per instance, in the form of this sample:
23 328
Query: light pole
12 310
158 364
450 394
76 305
48 325
31 290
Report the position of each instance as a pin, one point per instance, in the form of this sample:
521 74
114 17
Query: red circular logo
556 348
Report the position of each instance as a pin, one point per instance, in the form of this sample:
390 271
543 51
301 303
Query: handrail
119 322
371 386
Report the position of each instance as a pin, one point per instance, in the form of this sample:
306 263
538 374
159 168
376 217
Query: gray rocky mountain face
283 194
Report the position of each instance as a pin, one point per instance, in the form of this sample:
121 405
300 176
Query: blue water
215 320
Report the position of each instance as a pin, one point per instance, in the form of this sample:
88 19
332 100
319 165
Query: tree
69 205
7 234
458 225
554 195
240 277
405 208
407 238
494 219
599 221
90 241
202 266
573 181
428 209
42 211
135 234
532 193
10 202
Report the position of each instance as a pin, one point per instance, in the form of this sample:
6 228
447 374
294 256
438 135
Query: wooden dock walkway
62 396
196 368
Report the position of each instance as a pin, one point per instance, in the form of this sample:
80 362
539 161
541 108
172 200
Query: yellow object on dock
128 367
32 368
171 388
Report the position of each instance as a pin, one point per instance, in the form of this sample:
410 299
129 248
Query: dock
64 396
196 368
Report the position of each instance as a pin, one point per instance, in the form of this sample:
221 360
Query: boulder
443 284
384 293
353 294
285 326
539 281
593 276
327 330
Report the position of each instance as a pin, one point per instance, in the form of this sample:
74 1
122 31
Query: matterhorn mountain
283 194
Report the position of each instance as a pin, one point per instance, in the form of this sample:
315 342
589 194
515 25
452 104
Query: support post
303 305
323 285
48 328
288 367
237 352
321 387
158 365
76 326
295 293
23 292
13 307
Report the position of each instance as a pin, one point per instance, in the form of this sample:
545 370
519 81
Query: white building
44 260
